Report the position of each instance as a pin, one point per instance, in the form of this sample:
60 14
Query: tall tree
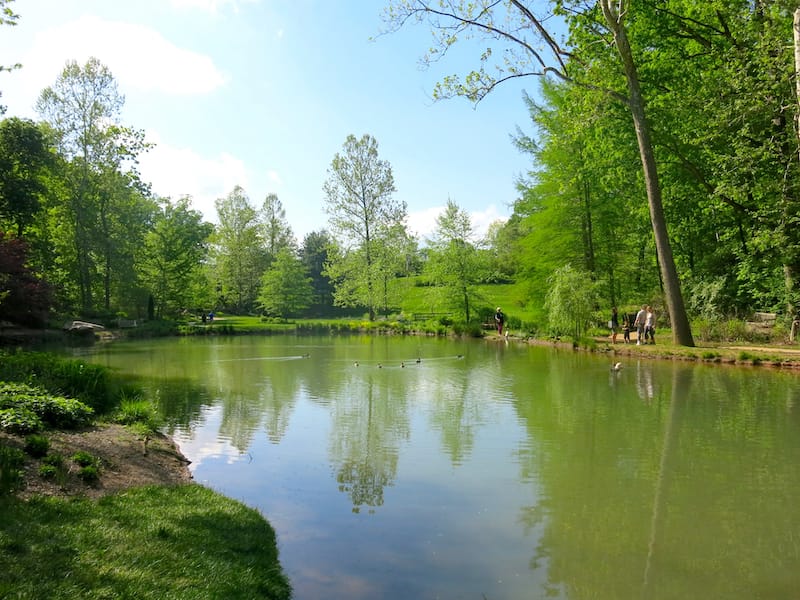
239 253
174 251
358 200
531 49
83 108
275 230
285 287
314 255
24 158
453 262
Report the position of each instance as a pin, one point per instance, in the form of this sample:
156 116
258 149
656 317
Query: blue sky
263 93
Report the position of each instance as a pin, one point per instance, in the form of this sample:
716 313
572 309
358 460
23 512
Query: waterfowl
617 367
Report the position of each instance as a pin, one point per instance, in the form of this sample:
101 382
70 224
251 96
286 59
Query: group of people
644 323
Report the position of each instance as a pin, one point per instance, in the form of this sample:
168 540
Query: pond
398 467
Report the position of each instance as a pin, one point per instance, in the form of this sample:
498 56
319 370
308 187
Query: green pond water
489 469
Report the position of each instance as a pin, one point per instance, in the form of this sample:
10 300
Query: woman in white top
649 326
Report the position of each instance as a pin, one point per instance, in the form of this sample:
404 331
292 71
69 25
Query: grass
151 542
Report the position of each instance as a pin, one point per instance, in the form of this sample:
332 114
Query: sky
263 93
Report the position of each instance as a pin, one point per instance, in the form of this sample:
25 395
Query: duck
402 365
616 366
355 364
419 360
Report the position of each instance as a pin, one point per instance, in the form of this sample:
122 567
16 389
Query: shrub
37 445
91 384
83 458
55 460
48 471
55 411
20 420
90 474
11 461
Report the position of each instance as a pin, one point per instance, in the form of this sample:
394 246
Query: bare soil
126 460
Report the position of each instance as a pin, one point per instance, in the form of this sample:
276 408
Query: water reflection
492 470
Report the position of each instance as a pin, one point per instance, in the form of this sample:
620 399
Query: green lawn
151 542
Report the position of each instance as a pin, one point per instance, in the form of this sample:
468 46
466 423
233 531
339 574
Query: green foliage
48 471
84 459
90 383
570 302
174 251
20 420
239 255
454 265
137 411
37 446
285 287
90 474
56 460
367 223
53 411
11 461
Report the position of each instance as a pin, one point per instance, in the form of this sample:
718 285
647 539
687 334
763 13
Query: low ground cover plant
28 409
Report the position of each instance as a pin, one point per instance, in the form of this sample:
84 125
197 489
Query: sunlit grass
151 542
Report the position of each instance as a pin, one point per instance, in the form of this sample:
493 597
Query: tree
531 49
453 262
83 109
314 256
570 301
240 256
24 158
276 232
24 297
174 251
285 287
358 200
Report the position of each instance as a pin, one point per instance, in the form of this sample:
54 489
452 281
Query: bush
84 459
48 471
20 420
55 460
37 445
91 384
54 411
90 474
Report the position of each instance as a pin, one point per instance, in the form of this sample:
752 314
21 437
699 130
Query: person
614 325
650 326
626 328
639 324
499 319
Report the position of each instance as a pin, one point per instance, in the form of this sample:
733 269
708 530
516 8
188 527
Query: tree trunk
681 331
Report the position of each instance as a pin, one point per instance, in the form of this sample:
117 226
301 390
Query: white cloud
139 58
423 223
177 172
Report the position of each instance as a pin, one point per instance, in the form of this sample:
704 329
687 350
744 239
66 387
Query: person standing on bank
626 328
499 319
641 316
614 325
650 326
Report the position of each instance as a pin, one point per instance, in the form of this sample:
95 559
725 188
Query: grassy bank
151 542
147 541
